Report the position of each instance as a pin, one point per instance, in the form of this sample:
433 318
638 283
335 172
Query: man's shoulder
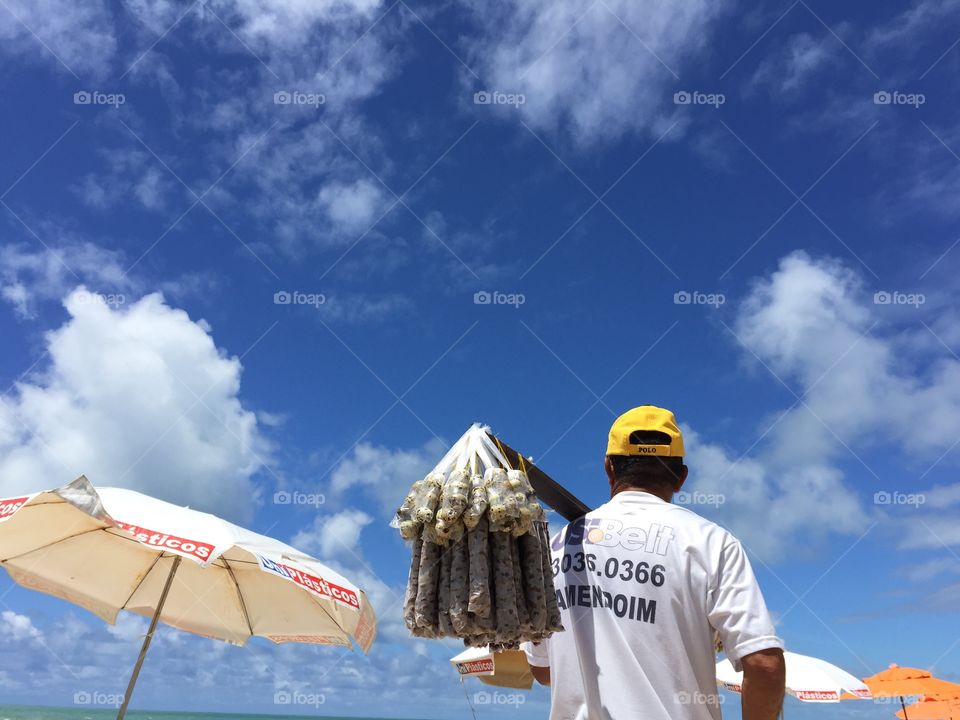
678 514
699 529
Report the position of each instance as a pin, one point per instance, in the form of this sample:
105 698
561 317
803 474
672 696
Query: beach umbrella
902 682
809 679
110 549
507 668
932 708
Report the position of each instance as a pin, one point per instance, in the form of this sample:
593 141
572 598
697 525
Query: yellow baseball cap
646 418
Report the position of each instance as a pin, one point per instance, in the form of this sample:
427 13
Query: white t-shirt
642 586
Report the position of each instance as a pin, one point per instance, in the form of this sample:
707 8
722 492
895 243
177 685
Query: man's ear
608 467
683 478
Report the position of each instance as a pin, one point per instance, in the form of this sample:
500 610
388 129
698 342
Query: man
644 586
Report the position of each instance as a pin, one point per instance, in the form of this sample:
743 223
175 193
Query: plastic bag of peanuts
480 567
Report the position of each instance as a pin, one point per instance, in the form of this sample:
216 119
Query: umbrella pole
904 708
146 640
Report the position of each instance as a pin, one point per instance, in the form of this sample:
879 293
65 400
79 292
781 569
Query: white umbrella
506 668
110 549
809 679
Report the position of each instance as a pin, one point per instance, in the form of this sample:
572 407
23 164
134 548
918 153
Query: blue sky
745 214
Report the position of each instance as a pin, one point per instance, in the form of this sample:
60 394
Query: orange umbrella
903 682
931 708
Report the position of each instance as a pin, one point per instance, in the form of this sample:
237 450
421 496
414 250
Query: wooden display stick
548 490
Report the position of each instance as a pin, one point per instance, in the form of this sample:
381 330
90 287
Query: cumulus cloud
814 325
337 540
383 474
595 71
79 654
136 397
16 627
773 508
332 535
352 206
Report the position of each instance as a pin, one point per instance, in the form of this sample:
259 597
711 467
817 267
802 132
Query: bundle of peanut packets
481 553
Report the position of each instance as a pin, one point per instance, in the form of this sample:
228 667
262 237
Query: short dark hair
651 472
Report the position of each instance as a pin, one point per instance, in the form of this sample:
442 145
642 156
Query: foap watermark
295 697
695 97
97 298
896 297
98 97
495 297
299 97
95 698
284 497
499 698
495 97
295 297
896 97
698 698
695 297
695 497
894 497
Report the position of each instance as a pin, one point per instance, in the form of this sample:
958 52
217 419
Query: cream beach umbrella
508 668
809 679
110 549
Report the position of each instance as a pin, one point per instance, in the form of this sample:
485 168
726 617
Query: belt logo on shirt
610 532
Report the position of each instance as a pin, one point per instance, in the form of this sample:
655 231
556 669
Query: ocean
23 712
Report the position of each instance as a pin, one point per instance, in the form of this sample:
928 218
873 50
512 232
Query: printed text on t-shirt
611 532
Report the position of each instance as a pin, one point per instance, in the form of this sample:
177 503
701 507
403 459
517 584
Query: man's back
642 585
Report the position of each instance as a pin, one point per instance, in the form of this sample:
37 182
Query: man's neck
665 495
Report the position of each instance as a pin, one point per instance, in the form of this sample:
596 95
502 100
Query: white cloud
131 176
942 496
905 29
290 22
814 325
383 474
773 509
80 654
355 308
801 57
139 397
596 72
925 571
30 275
333 535
930 531
84 35
16 627
129 627
81 35
336 539
352 206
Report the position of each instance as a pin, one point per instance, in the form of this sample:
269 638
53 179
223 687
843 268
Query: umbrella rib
319 603
44 547
243 605
145 575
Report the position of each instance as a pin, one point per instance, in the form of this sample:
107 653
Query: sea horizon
53 712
